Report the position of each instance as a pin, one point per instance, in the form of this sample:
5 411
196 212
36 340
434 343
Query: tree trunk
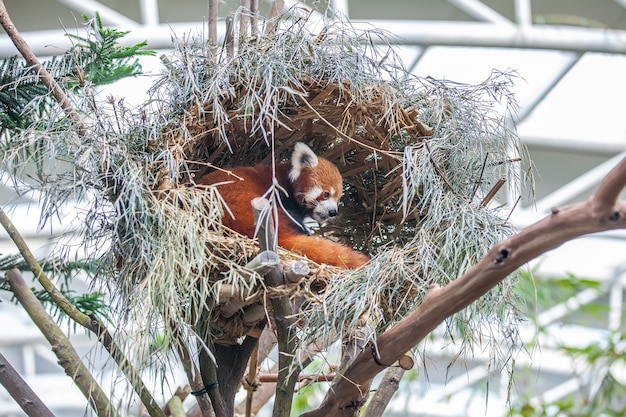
233 361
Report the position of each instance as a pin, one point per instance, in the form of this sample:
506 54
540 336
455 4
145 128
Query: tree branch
90 322
61 346
23 395
601 212
283 313
386 389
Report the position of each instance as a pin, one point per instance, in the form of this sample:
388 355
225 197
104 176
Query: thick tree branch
386 389
23 395
601 212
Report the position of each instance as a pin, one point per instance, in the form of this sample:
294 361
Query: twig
440 172
251 379
263 394
480 176
229 39
349 138
254 10
601 212
492 193
272 20
273 377
213 22
244 20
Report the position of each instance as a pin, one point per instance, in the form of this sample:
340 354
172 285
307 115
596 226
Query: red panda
314 187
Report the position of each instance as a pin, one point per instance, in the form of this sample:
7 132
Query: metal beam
341 7
578 186
108 15
523 12
480 11
538 98
423 33
564 38
54 42
149 12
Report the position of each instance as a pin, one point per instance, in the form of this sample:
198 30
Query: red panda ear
301 158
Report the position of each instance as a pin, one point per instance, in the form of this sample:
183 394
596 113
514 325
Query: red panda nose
332 213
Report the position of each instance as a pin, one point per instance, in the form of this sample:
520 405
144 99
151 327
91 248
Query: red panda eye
326 194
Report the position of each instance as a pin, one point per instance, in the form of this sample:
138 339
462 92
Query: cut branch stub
234 298
297 271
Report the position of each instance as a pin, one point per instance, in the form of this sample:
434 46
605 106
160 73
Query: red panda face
316 182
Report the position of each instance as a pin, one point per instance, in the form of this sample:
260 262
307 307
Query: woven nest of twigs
357 135
418 156
363 136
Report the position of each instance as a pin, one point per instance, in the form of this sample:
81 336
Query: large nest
419 158
251 108
363 136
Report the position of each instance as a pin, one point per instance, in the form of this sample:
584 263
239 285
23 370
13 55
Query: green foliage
63 273
539 296
95 59
602 386
102 59
16 92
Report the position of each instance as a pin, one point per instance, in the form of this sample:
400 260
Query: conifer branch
47 79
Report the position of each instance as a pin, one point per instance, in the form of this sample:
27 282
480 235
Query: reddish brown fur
256 181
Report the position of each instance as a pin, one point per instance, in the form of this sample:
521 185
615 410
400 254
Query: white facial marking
313 193
332 190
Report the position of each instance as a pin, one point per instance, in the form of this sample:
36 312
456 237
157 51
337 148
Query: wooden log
252 314
233 298
406 362
297 271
